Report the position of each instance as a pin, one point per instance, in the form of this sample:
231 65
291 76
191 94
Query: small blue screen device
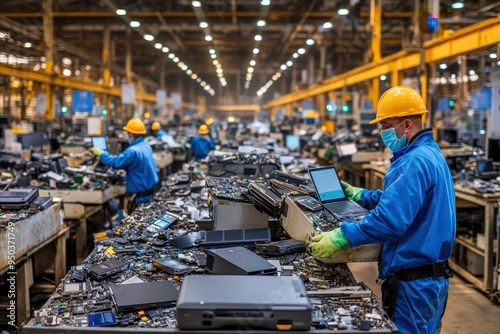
101 319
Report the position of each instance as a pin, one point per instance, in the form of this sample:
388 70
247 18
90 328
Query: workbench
79 206
164 161
39 244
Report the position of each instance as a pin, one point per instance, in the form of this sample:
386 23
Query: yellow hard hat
135 126
399 101
203 130
156 126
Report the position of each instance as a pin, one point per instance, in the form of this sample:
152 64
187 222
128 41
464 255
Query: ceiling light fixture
258 38
165 49
175 60
27 45
261 23
265 2
343 11
203 25
121 12
184 67
443 66
196 4
213 56
171 55
283 67
149 37
189 72
208 38
135 24
327 25
310 41
383 77
301 51
256 51
289 63
211 51
295 55
252 62
250 70
457 5
158 46
492 55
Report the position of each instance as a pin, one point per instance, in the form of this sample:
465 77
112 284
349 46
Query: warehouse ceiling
216 40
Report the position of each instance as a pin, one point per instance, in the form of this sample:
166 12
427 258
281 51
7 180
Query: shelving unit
467 198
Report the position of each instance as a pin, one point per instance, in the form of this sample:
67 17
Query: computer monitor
100 142
448 135
30 140
494 149
292 142
310 121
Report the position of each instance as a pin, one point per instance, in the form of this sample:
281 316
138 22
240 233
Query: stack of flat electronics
264 199
17 199
246 302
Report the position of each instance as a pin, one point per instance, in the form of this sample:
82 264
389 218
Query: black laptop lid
139 296
327 184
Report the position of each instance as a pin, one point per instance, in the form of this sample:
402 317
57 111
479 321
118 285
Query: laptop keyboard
345 207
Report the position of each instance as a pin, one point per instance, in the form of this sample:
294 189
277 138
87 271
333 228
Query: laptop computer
238 237
141 296
17 199
331 194
486 170
246 302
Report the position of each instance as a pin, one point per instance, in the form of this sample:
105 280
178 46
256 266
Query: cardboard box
299 227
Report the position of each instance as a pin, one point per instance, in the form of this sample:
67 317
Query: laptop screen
99 142
327 184
485 166
292 142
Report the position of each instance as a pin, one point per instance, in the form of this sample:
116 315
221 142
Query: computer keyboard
345 207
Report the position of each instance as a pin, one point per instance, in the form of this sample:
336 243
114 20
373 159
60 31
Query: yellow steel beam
248 107
217 14
477 36
376 25
78 84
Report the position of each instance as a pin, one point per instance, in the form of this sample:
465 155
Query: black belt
149 192
434 270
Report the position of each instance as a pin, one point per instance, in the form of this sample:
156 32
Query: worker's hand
353 193
327 243
96 151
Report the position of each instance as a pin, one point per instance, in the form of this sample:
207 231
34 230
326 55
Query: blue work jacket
415 217
161 133
201 145
137 160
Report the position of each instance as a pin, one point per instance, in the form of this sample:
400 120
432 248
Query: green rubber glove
353 193
327 243
96 151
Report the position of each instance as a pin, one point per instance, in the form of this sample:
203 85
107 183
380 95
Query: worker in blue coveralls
202 144
414 218
137 161
157 131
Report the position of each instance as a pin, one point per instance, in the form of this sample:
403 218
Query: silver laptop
331 194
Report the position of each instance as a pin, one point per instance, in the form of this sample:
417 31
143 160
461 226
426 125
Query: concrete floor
468 309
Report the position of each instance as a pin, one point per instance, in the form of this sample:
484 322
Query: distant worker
157 131
202 144
137 161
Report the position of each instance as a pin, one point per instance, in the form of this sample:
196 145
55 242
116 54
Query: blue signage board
484 98
82 101
443 104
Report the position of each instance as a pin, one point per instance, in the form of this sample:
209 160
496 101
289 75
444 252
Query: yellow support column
48 38
374 92
395 78
376 25
423 84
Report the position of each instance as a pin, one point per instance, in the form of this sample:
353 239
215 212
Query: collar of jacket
138 140
423 136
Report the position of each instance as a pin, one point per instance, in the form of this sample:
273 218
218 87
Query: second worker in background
137 161
202 144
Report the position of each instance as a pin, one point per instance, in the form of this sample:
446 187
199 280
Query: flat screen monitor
100 143
30 140
494 149
292 142
310 121
448 135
